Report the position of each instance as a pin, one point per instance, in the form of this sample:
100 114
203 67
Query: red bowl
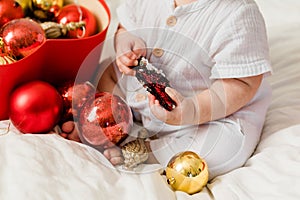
58 60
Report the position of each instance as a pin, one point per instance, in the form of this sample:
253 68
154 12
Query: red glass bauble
77 13
21 37
9 10
105 120
35 107
74 96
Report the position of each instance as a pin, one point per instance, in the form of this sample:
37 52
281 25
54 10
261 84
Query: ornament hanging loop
4 131
76 25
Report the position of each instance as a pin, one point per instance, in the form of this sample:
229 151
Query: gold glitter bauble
187 172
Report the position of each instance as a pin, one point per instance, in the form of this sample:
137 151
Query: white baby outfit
194 45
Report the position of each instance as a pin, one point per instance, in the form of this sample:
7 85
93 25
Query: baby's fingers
124 68
130 62
139 52
157 110
177 97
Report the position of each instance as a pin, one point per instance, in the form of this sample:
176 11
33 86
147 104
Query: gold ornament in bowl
46 10
47 4
187 172
25 4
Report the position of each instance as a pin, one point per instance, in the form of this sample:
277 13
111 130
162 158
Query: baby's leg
222 144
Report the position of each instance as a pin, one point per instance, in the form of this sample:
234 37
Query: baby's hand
69 131
114 155
185 112
128 49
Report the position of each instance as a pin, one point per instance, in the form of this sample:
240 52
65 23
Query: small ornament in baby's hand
187 172
155 81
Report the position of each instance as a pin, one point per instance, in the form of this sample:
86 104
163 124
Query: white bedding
44 167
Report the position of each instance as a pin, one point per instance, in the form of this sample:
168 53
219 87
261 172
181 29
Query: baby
215 55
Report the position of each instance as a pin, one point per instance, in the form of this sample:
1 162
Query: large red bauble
35 107
9 10
76 13
74 96
21 37
105 121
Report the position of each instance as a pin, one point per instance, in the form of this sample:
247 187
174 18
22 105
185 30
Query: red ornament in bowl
35 107
105 121
9 10
60 60
78 13
21 37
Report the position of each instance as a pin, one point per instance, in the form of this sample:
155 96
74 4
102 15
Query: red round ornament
21 37
9 10
74 96
105 121
78 13
35 107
